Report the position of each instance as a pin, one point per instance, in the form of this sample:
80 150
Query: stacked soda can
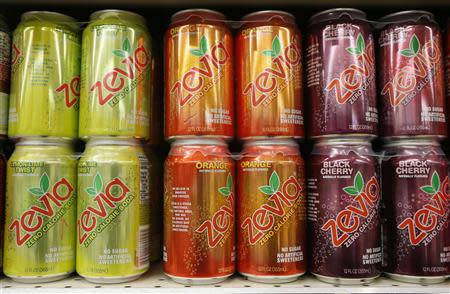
416 228
343 179
93 218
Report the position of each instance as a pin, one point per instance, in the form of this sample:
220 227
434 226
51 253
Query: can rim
96 14
178 13
199 141
281 12
271 142
38 141
393 16
46 12
328 15
352 140
110 140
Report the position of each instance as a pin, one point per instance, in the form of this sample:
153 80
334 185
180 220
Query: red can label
269 82
412 81
199 215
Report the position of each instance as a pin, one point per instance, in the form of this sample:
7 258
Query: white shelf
156 282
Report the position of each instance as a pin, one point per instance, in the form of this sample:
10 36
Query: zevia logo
194 83
354 219
16 58
53 202
355 76
271 216
421 227
119 81
272 80
109 201
71 91
422 63
218 227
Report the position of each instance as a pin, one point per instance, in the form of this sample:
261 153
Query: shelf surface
156 282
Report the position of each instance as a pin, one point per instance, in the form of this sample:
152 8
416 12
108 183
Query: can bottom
39 279
417 279
112 280
198 281
272 279
344 281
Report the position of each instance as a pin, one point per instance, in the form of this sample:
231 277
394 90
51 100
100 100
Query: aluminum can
343 211
5 70
2 202
271 211
198 82
416 213
411 76
113 211
269 76
40 211
45 76
341 74
199 212
447 65
116 67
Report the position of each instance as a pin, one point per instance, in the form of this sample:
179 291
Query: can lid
120 14
110 140
50 16
412 141
336 13
408 15
199 12
344 140
266 15
271 142
199 141
39 141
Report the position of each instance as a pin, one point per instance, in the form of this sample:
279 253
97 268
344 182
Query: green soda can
116 84
113 211
40 207
45 76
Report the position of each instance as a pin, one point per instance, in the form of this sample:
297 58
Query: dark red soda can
411 76
415 214
343 212
340 63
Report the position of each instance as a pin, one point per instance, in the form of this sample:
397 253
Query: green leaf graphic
354 51
98 184
196 52
266 190
414 44
407 53
91 191
36 191
230 182
203 45
274 181
126 45
44 183
360 43
269 53
358 182
120 53
351 191
428 190
224 191
435 182
276 46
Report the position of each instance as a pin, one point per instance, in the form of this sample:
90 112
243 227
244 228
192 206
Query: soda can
198 81
447 64
411 76
416 213
45 76
269 76
116 85
341 74
343 211
40 211
5 69
2 202
113 211
271 211
199 212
